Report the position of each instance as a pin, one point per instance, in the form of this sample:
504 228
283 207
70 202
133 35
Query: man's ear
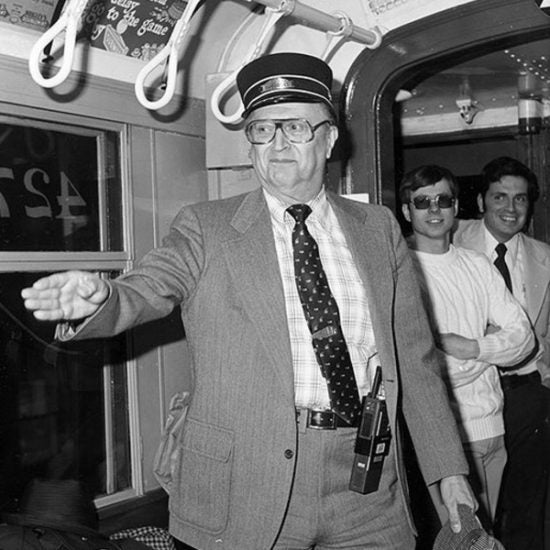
331 139
480 203
455 207
406 212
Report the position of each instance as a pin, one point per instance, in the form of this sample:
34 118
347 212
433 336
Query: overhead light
403 95
467 106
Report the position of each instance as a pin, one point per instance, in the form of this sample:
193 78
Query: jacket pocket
200 495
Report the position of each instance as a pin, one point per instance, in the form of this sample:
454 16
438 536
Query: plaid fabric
486 542
472 536
154 537
348 290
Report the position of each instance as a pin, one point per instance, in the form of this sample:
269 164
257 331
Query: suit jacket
471 234
240 437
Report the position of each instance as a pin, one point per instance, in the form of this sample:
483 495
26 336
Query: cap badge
278 83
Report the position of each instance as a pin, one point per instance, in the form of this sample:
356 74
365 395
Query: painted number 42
68 196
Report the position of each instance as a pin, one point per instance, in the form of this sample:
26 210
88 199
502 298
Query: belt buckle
315 420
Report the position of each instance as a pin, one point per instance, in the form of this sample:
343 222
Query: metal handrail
337 25
324 21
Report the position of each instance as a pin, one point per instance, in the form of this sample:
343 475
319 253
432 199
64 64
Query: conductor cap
284 78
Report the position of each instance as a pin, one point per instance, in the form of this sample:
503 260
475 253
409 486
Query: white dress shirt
514 260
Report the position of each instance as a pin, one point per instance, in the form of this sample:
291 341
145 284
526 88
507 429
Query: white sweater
464 293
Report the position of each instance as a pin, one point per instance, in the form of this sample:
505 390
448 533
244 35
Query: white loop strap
219 93
169 51
68 22
273 15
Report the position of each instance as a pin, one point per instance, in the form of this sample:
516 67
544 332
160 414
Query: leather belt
321 419
513 381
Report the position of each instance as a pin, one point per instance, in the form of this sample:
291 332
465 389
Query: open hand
69 295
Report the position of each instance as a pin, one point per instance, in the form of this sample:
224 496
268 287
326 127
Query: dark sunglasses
422 202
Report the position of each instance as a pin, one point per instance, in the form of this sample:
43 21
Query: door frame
446 38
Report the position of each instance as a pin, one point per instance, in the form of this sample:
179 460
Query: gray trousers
325 515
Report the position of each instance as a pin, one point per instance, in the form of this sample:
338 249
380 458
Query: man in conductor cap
291 298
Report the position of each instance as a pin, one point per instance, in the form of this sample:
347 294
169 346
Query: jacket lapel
369 248
254 268
537 277
536 268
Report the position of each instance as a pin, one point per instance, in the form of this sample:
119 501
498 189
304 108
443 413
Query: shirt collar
319 208
511 246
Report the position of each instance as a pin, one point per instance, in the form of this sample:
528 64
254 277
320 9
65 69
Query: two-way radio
373 441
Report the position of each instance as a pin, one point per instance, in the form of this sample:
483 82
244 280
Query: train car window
63 407
55 187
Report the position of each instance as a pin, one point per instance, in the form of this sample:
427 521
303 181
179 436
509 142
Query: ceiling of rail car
490 80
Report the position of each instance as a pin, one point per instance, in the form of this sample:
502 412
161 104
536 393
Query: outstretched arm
66 296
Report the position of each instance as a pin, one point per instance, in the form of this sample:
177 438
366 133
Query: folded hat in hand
472 536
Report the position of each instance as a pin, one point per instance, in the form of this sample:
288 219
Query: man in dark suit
506 199
292 297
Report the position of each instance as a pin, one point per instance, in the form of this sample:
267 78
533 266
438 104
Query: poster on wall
31 14
135 28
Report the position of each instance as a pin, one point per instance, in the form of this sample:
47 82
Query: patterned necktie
323 318
500 264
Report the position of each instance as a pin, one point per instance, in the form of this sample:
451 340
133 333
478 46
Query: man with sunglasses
292 297
477 324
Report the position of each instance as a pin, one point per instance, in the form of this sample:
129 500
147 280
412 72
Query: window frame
118 260
98 261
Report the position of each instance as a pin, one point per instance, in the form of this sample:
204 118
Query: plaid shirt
346 286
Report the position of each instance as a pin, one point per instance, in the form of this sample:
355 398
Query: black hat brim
28 520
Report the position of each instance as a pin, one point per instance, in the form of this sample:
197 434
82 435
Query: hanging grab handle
229 81
68 22
169 51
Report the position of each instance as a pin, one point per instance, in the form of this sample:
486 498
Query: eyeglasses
296 130
422 202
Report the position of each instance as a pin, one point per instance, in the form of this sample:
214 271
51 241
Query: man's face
505 207
431 226
293 172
